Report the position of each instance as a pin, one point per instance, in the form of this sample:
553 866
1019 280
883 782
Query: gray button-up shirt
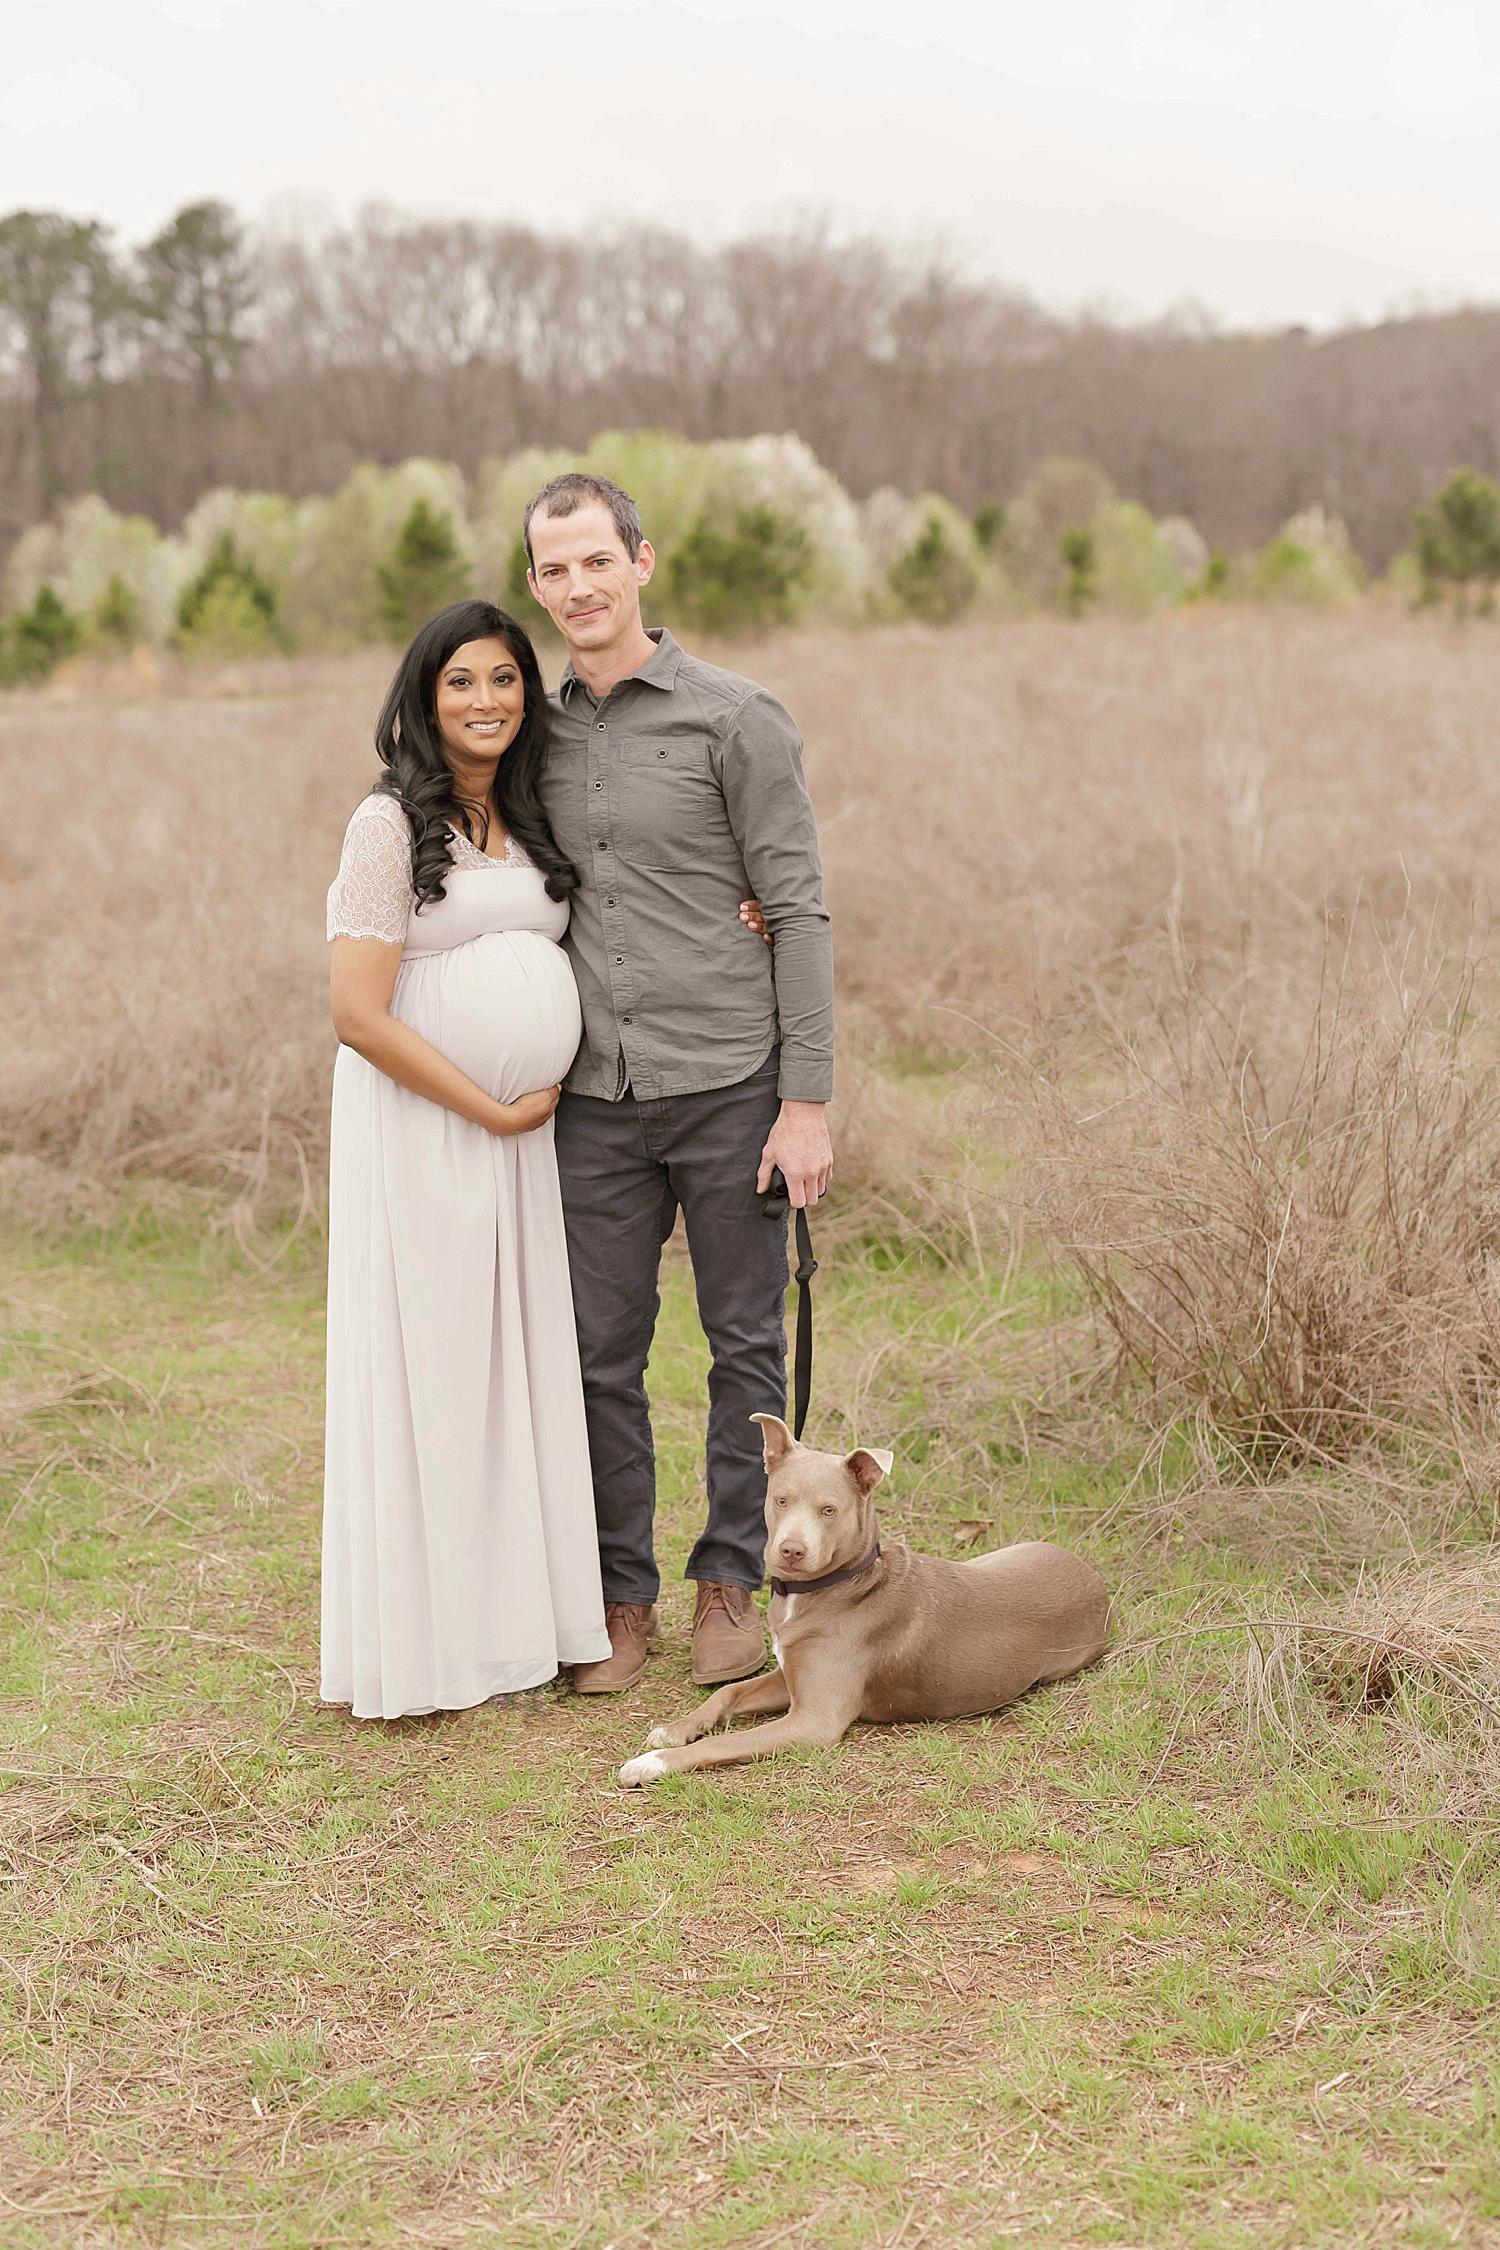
676 796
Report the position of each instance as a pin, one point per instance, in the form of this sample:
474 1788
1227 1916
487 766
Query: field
1167 1224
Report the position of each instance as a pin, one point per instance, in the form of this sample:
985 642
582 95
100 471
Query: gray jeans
626 1168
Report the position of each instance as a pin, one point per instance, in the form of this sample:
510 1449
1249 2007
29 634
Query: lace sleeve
371 894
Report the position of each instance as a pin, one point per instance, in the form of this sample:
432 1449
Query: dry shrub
1432 1627
1419 1645
1300 1252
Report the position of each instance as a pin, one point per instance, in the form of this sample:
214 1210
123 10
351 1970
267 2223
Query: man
676 789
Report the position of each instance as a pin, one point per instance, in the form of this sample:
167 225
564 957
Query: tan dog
865 1632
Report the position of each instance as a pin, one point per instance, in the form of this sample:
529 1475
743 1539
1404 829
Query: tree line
215 355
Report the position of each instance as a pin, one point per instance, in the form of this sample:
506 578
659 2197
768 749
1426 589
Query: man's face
584 579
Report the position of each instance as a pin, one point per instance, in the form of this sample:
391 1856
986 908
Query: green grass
1115 1967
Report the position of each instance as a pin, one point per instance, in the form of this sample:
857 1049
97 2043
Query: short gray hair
566 494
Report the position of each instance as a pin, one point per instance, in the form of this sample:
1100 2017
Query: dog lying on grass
865 1632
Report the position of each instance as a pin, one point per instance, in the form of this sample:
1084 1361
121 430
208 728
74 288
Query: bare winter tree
280 364
60 297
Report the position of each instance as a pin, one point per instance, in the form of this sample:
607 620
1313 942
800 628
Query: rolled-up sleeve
771 814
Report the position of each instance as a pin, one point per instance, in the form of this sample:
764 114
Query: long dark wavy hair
418 775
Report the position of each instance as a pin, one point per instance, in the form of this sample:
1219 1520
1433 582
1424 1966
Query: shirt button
619 960
598 785
604 847
627 1019
601 726
609 902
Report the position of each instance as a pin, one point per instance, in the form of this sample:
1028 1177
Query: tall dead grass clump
1431 1624
1291 1231
1416 1647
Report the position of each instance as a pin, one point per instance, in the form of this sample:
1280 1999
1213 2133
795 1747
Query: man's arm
771 814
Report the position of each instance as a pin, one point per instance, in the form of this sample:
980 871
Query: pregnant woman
459 1549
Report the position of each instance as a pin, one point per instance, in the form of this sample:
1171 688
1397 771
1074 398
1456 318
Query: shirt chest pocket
670 804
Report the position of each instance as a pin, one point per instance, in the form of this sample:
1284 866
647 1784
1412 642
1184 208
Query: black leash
777 1204
807 1266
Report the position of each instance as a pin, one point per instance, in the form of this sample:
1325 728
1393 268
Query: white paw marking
657 1739
639 1771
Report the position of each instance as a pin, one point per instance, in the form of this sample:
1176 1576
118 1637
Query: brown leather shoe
632 1629
728 1643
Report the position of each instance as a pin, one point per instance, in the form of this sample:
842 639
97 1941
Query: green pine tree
426 571
117 613
1457 540
742 580
1078 553
37 639
228 609
933 580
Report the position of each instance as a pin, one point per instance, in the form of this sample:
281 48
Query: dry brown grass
164 985
1014 818
1021 819
1195 889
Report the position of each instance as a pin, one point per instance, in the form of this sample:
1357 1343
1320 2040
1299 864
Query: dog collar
785 1586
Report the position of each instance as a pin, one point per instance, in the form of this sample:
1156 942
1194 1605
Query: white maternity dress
460 1558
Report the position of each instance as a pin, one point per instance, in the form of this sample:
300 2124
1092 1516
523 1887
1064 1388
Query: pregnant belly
504 1008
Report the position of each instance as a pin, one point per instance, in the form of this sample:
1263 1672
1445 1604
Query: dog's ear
778 1439
867 1464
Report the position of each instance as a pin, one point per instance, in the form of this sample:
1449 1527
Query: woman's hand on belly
525 1114
363 984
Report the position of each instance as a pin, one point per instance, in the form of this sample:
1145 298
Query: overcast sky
1274 160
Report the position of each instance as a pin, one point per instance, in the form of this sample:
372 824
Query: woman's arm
361 985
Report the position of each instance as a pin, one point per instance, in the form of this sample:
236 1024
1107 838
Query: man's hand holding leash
799 1146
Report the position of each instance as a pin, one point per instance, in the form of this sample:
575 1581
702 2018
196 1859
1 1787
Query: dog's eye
825 1511
780 1500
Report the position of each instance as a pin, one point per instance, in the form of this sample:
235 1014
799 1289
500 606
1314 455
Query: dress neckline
467 854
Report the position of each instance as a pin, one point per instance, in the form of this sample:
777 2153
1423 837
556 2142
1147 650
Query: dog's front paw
657 1739
639 1771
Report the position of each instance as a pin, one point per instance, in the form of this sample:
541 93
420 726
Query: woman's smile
480 705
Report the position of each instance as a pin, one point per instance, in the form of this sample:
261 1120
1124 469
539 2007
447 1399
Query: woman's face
480 705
